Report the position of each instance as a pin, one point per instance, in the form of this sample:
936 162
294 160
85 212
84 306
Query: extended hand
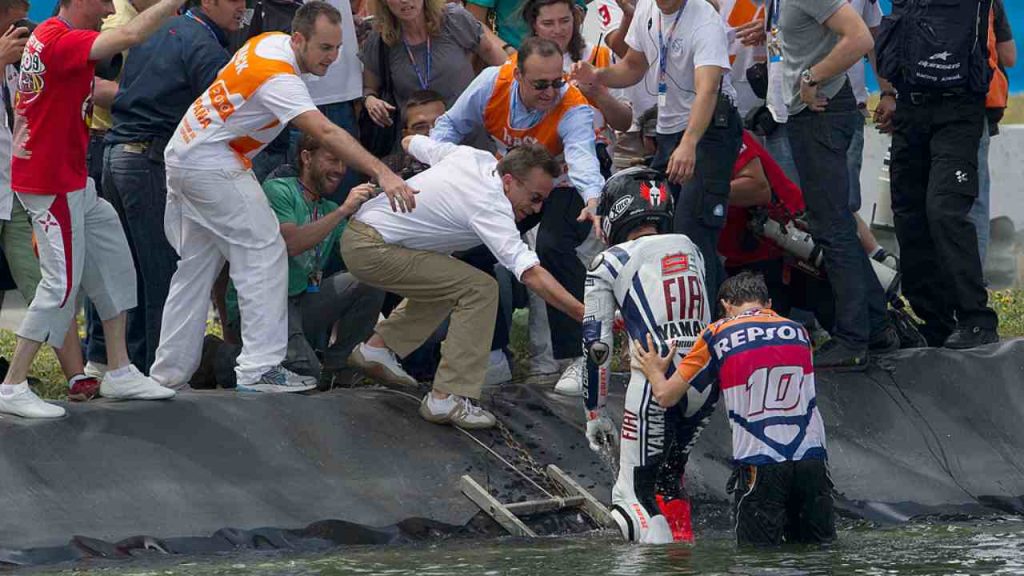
583 72
601 432
752 33
650 361
398 192
589 212
379 111
682 162
357 196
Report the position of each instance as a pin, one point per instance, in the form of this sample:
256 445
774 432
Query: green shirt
291 207
508 19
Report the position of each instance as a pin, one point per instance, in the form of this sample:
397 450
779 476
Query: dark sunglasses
541 85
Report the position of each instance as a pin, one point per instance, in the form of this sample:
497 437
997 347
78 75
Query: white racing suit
657 282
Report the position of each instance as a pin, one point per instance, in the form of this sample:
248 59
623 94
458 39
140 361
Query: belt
97 132
918 98
136 147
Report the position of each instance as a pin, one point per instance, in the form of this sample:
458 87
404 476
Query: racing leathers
657 283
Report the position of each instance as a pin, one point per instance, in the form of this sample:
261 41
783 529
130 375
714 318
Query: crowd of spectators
348 184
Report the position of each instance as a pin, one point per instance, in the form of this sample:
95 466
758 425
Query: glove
601 432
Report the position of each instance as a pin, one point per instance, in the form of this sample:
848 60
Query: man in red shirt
80 239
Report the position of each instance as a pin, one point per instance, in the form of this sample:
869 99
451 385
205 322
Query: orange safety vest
234 85
545 132
999 87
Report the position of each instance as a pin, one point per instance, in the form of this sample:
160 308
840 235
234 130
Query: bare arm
490 50
119 39
544 285
750 186
616 39
299 239
617 113
103 93
625 72
348 149
854 42
1007 53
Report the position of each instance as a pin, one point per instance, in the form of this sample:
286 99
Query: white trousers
215 216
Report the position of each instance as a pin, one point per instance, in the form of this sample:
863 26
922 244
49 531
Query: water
977 548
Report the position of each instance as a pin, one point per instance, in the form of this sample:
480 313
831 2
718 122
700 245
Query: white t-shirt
699 40
461 204
6 194
742 57
871 12
344 79
228 135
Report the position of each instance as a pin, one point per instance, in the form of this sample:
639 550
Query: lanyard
663 48
314 217
424 80
203 22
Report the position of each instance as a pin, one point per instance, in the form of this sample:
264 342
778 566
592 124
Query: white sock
76 378
375 352
119 372
11 389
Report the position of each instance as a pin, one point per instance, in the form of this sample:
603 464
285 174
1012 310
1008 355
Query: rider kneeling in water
656 280
761 363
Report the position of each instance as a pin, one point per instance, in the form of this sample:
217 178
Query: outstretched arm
348 149
135 32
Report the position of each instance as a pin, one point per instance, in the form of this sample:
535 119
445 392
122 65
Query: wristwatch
807 78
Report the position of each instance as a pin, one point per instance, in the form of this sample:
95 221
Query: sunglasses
542 85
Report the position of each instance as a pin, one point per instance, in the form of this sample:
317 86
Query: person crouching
762 364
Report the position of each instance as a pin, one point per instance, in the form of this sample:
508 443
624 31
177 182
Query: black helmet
633 197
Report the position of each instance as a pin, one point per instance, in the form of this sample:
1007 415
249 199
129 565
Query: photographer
936 55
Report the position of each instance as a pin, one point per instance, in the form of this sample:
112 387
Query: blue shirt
576 129
164 75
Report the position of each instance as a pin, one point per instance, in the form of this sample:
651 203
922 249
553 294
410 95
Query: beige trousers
433 286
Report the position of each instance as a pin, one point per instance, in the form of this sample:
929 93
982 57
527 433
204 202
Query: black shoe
965 337
886 341
834 355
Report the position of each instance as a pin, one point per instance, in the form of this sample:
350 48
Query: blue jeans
979 213
777 144
701 201
854 160
820 142
137 187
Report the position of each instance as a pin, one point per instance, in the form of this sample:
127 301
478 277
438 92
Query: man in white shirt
699 130
466 198
217 211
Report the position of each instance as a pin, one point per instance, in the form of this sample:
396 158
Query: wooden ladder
507 515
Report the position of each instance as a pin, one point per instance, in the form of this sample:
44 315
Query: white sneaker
571 381
381 364
279 380
457 411
24 402
95 369
133 385
498 370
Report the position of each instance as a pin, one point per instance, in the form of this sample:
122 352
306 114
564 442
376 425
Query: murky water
979 548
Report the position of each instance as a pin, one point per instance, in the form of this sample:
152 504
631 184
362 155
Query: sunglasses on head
545 84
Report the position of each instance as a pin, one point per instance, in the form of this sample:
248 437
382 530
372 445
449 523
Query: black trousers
557 239
819 141
702 201
783 502
934 174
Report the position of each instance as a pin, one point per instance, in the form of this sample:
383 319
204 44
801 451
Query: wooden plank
591 505
547 505
494 509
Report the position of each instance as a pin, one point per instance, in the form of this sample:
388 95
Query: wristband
888 93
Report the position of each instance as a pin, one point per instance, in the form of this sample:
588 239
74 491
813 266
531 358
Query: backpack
935 45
